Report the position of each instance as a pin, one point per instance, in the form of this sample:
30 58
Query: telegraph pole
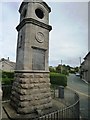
61 62
80 63
80 60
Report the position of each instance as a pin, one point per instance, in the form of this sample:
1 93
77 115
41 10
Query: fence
66 113
70 112
71 100
6 92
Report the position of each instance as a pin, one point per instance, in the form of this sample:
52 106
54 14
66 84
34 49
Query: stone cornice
33 21
35 47
30 71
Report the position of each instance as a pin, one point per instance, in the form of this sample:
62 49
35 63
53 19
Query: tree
58 69
52 69
68 67
76 69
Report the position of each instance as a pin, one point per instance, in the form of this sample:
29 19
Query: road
75 83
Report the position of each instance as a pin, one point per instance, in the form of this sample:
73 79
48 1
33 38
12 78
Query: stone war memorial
30 93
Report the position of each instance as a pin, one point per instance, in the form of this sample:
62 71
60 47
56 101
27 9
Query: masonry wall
31 91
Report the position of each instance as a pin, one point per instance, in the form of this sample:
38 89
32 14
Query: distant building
85 68
82 70
72 69
7 65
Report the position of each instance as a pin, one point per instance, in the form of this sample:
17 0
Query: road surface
75 83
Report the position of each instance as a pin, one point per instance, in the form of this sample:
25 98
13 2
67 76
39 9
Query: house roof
7 61
87 55
82 63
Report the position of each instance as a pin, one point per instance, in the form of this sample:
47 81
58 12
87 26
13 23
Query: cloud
69 37
9 34
48 0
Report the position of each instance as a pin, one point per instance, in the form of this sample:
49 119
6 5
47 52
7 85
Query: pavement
4 115
82 88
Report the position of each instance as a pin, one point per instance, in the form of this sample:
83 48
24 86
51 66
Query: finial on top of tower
32 0
36 1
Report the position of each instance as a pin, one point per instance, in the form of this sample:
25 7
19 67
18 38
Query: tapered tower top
25 2
32 0
34 9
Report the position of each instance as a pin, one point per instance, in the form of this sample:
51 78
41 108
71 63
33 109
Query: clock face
40 37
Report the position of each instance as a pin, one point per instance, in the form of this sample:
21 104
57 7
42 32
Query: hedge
58 79
55 78
7 77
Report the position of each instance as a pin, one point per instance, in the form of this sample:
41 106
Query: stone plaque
40 37
38 59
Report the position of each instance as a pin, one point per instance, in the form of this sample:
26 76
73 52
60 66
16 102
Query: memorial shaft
31 88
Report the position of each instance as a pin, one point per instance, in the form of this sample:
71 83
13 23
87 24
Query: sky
68 38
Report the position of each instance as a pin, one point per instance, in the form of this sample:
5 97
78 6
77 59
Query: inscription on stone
38 59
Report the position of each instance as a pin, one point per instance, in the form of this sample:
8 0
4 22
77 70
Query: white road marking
79 92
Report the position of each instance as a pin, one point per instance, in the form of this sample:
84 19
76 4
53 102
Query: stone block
23 104
23 92
45 90
14 99
36 80
31 86
24 80
27 110
24 86
48 105
46 75
38 76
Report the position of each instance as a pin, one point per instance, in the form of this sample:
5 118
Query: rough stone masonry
31 88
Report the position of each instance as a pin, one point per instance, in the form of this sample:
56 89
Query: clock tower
31 89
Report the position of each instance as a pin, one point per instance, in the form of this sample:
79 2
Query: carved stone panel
40 37
38 59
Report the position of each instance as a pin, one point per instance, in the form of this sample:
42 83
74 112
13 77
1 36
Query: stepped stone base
31 92
13 115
